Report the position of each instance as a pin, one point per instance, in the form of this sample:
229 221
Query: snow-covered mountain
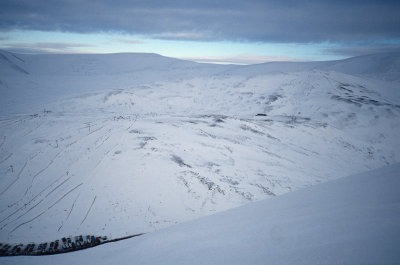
127 143
30 82
352 220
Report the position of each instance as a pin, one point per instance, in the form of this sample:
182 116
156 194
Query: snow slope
384 66
129 143
30 82
352 220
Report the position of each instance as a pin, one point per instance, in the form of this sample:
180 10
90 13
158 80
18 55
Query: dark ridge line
122 238
15 56
66 250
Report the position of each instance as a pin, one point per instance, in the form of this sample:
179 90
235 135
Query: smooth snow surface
122 144
352 220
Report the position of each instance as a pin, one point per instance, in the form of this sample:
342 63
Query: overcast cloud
363 49
244 20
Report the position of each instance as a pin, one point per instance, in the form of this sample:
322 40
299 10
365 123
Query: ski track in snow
51 206
6 158
88 211
41 171
69 213
34 198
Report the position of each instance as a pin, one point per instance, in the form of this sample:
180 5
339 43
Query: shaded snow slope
115 153
382 66
352 220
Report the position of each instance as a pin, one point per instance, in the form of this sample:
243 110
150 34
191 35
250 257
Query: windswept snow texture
128 143
352 220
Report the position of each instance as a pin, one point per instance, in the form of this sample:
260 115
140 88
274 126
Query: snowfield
122 144
352 220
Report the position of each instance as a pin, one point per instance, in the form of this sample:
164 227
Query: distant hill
88 64
384 66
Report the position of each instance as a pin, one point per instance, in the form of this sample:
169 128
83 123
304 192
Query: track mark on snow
34 206
5 159
69 213
90 208
51 206
16 179
41 171
3 141
29 202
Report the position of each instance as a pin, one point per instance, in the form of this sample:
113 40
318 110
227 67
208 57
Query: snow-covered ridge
352 220
32 81
385 66
128 143
382 65
88 64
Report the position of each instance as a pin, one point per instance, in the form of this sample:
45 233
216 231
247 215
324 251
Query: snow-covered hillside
30 82
128 143
353 220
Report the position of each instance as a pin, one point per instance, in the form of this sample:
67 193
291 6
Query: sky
225 31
